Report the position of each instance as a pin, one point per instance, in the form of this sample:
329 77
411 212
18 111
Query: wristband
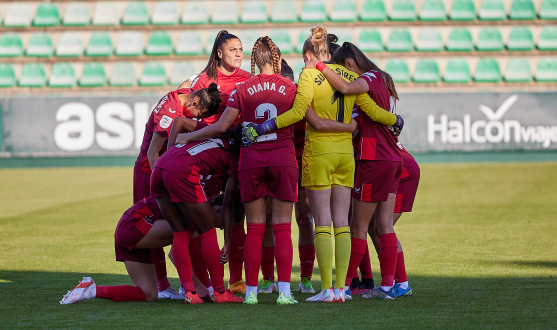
320 66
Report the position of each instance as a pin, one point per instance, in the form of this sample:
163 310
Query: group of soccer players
245 134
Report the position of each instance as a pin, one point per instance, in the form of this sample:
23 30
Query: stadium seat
298 69
403 10
463 10
400 40
301 40
457 71
490 40
123 75
344 11
159 43
62 75
547 70
284 12
487 70
77 14
460 40
282 39
313 11
433 10
429 40
548 9
47 14
518 70
11 45
189 43
106 13
373 11
225 12
427 71
7 75
370 41
181 72
195 12
18 15
343 34
130 43
153 75
40 45
69 44
548 38
211 40
100 44
165 13
254 12
136 13
520 39
32 75
492 10
398 69
522 10
93 75
249 37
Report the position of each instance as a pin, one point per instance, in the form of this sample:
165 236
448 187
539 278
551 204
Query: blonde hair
317 43
265 52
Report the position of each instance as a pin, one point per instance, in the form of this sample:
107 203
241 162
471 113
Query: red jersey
233 167
147 208
261 98
226 85
410 166
160 121
300 137
376 141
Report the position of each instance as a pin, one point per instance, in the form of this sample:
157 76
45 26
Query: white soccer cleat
170 293
305 286
85 290
323 296
341 296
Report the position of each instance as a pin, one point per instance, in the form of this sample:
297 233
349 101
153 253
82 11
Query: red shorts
141 183
375 179
213 184
276 181
406 193
128 233
185 188
299 161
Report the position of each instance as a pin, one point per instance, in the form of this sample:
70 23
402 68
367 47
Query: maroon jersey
300 137
147 208
233 167
261 98
376 141
410 166
226 85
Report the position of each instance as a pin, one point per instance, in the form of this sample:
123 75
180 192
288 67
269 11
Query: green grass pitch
480 247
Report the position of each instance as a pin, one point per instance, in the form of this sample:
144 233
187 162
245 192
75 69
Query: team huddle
230 147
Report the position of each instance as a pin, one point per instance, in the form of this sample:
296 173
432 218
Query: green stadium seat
403 10
225 12
100 44
548 9
70 44
344 11
490 40
254 12
7 75
32 75
370 41
47 14
195 12
427 71
159 43
400 40
547 70
123 75
40 45
249 37
298 69
460 40
18 15
281 38
77 14
11 45
93 75
343 34
284 12
165 13
522 10
136 13
548 38
487 70
211 40
463 10
300 45
62 75
153 75
106 13
429 40
181 72
130 43
189 43
433 10
518 70
492 10
520 39
313 11
398 69
373 11
457 71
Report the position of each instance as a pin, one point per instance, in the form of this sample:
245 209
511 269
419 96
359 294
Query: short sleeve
164 116
233 99
372 81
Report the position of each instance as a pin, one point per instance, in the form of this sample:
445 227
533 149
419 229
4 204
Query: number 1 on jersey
338 96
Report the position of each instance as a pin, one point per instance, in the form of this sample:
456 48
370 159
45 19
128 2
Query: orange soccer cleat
193 299
227 297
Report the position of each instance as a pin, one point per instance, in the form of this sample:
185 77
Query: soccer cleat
365 286
83 291
238 287
226 297
170 293
192 299
251 299
323 296
284 300
305 286
400 292
268 287
380 293
340 295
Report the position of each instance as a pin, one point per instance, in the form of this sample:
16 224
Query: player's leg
255 218
236 258
198 264
340 205
306 249
268 253
282 230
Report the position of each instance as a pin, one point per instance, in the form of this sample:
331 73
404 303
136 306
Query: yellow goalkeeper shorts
325 170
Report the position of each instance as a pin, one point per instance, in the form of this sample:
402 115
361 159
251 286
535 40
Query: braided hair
265 52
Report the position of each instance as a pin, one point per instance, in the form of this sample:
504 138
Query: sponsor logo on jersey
161 103
357 190
165 122
170 110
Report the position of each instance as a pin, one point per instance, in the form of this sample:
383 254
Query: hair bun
318 33
332 38
213 87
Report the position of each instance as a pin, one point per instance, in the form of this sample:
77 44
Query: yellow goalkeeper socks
343 245
324 255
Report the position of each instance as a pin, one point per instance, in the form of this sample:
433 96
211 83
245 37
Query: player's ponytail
317 43
286 71
265 52
214 60
332 40
209 99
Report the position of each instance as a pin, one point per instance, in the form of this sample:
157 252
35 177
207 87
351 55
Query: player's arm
357 86
375 112
328 125
180 125
227 216
216 129
157 142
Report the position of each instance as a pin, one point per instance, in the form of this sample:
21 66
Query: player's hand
399 124
182 138
249 135
224 254
353 124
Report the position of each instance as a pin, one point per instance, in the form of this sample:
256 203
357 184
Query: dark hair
208 99
214 61
317 43
350 51
265 52
234 136
238 205
286 71
333 46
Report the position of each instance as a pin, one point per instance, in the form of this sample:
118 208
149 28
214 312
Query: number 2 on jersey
338 96
260 112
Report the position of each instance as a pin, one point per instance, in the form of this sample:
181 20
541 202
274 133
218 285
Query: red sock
159 260
283 250
211 255
268 262
182 259
197 262
236 254
307 258
358 249
252 252
400 272
387 258
121 293
356 275
365 265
